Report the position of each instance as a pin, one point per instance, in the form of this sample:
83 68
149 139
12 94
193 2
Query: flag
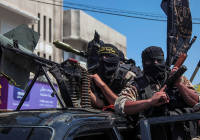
179 28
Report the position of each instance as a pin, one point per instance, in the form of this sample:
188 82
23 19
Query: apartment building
79 29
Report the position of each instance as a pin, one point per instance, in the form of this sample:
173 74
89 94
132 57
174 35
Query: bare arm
133 107
108 93
95 100
157 99
189 95
128 104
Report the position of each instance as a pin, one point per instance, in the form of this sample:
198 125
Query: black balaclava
121 56
156 72
109 61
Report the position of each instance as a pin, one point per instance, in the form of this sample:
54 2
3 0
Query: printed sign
39 97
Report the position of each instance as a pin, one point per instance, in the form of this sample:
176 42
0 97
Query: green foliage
197 88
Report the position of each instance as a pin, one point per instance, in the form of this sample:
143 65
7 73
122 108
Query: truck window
24 133
127 133
107 134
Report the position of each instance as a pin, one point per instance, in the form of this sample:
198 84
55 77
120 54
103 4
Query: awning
18 11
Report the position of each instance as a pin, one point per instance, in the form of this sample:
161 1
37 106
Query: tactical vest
146 91
120 79
177 106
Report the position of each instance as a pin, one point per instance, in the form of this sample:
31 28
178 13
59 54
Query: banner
39 97
179 27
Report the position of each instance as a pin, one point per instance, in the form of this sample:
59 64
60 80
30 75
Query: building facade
47 18
44 16
79 29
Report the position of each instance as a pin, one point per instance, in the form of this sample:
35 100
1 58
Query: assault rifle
179 63
183 53
170 81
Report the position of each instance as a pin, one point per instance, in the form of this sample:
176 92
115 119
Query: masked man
145 98
109 73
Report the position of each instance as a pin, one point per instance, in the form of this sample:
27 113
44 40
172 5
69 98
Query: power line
110 9
98 11
104 11
118 10
115 10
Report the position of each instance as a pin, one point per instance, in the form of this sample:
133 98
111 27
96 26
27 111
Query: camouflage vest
122 77
118 82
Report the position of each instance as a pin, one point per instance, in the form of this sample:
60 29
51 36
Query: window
50 29
49 57
24 133
38 53
44 28
107 134
128 133
32 27
72 55
39 23
44 55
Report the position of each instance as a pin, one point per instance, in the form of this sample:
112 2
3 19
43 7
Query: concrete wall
9 20
79 28
24 5
11 15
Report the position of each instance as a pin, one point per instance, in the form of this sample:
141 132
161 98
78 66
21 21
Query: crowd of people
129 91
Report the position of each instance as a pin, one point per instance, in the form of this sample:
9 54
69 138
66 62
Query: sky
143 33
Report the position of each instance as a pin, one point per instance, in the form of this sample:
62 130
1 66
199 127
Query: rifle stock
180 60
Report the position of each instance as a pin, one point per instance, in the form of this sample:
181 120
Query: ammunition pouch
173 131
120 80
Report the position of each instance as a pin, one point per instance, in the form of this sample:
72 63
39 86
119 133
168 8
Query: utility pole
195 71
